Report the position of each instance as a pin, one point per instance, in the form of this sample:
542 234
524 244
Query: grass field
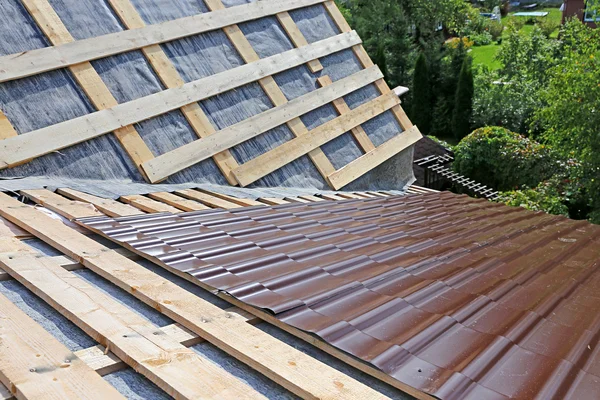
485 55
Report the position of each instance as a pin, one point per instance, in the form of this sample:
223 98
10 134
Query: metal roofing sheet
454 296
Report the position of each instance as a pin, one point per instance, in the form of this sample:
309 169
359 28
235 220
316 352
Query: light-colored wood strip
32 62
232 199
36 366
146 204
377 194
6 128
310 198
179 371
366 61
166 72
88 79
104 362
348 195
206 199
71 209
424 189
110 207
296 371
357 168
178 202
297 200
297 38
331 197
342 108
185 156
297 147
15 150
272 201
272 90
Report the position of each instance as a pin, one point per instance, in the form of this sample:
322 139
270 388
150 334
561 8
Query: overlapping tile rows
457 297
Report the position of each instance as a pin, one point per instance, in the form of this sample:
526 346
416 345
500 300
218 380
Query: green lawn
485 54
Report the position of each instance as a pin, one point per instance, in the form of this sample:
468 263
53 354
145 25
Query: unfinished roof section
268 93
456 297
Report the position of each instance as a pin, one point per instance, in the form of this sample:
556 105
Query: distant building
582 10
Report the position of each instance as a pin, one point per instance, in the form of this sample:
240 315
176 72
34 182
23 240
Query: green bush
536 200
496 29
547 26
481 39
504 160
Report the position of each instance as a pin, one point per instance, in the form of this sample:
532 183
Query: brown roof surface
457 297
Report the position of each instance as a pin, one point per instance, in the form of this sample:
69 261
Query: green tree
380 60
421 108
570 115
463 108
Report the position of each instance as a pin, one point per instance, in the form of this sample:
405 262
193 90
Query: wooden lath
88 79
287 366
6 128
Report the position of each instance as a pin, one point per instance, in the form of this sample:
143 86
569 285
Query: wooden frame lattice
179 95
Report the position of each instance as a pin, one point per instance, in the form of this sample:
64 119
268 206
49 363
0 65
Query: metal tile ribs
456 297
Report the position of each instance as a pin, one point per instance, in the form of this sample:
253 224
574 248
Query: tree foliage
463 107
504 160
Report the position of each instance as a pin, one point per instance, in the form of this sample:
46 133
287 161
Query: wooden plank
192 153
272 201
33 144
166 72
297 38
357 168
206 199
104 362
310 198
296 371
148 205
331 197
6 128
88 79
349 195
179 371
366 61
70 209
110 207
272 90
32 62
297 200
37 366
342 108
376 194
232 199
295 148
178 202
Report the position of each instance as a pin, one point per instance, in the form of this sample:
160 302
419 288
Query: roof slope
456 297
230 60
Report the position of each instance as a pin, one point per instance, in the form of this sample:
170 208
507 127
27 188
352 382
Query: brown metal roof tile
458 297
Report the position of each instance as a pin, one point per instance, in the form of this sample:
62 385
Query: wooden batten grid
88 79
184 96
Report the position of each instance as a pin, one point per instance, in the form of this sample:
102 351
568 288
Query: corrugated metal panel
457 297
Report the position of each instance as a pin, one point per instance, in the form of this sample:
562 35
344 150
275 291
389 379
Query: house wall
575 8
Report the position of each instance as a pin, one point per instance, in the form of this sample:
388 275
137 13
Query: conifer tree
463 108
422 107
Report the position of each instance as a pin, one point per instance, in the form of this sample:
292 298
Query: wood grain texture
32 62
207 199
192 153
15 150
295 148
34 365
166 72
297 38
6 128
372 159
177 370
146 204
178 202
71 209
110 207
232 199
88 79
296 371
